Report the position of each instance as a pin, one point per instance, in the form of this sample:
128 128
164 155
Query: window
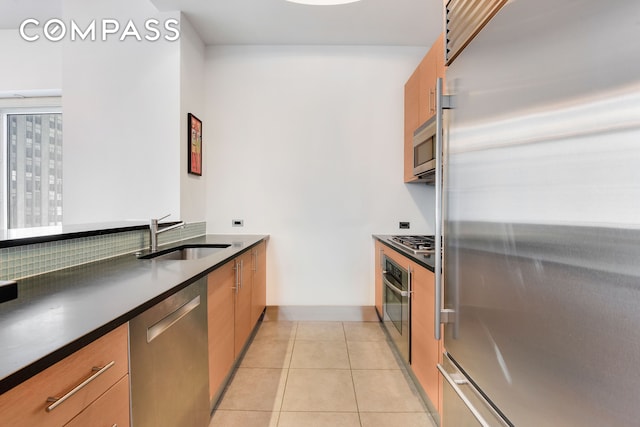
33 196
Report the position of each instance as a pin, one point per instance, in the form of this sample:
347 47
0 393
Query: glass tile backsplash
19 262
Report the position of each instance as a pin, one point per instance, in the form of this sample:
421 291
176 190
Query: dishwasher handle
169 320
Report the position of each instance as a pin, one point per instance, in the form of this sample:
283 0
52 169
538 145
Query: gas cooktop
415 244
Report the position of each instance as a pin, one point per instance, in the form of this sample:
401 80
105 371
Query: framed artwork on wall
195 145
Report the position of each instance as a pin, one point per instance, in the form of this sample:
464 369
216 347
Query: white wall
305 143
192 75
121 103
32 66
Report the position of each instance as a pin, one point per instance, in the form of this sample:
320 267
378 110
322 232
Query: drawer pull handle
58 400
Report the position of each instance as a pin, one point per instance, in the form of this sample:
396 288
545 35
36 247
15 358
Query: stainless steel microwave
424 150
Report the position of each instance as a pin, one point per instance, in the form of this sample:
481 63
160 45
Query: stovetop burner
415 244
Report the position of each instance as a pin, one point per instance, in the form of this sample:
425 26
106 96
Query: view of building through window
34 170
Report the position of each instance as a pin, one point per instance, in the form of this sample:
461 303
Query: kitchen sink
186 252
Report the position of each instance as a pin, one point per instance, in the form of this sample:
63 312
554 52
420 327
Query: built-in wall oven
396 292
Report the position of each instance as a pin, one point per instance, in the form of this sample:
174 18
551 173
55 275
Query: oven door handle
394 288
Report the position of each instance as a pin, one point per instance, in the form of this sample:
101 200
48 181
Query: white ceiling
367 22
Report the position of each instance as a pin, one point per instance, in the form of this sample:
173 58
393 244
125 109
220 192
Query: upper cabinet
411 120
420 99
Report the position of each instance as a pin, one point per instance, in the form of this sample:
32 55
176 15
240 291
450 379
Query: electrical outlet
404 225
237 223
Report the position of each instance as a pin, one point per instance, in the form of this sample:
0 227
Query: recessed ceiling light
323 2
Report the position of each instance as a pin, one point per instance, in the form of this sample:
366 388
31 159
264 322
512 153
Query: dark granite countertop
58 313
427 261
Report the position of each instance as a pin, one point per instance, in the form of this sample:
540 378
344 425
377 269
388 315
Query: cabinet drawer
109 410
27 405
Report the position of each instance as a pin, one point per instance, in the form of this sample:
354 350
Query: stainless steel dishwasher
169 366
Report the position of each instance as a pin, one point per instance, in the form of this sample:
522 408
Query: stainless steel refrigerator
541 218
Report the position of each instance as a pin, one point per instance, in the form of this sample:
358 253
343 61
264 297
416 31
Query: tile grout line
355 395
286 380
293 345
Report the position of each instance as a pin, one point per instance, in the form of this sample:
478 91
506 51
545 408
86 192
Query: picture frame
194 145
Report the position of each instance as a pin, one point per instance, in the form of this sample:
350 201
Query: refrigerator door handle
447 315
442 102
454 385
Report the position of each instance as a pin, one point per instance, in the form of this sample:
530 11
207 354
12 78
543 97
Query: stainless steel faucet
153 228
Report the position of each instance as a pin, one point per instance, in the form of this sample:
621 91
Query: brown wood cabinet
242 314
236 297
420 99
104 363
426 351
258 281
411 121
379 248
220 313
110 409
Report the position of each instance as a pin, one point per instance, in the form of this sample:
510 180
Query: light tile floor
320 372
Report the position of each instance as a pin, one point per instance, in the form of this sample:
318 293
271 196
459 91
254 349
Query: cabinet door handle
237 276
255 260
241 273
59 400
432 95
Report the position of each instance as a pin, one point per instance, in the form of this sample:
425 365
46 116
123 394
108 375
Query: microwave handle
443 102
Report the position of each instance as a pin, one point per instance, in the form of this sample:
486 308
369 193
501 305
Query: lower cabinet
242 314
379 248
425 349
258 281
236 297
89 387
109 410
221 284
